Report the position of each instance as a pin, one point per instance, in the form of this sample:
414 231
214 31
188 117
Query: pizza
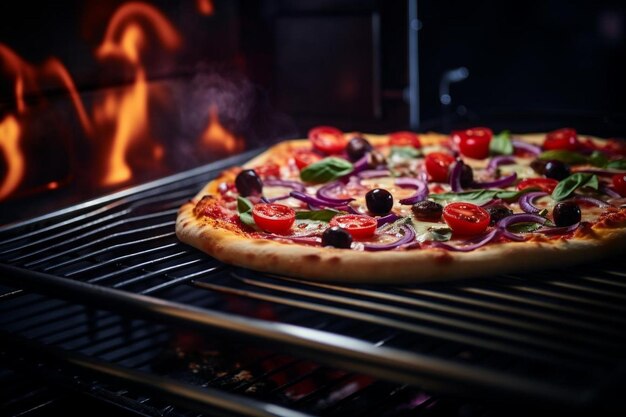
400 208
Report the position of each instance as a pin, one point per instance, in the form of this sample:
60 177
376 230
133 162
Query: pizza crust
397 266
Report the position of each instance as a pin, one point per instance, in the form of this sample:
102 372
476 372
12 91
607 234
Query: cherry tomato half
359 226
544 184
304 158
405 138
268 170
438 165
466 218
273 218
474 142
327 139
565 139
619 183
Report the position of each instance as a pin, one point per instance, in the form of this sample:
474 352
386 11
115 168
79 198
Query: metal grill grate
551 338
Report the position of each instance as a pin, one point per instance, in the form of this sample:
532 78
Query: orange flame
128 111
205 7
217 138
19 69
9 144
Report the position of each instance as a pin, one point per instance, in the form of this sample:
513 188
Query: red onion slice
526 201
295 185
421 190
602 172
374 173
471 244
523 146
499 183
359 165
609 191
314 201
455 176
518 218
325 193
274 199
408 235
389 218
562 230
591 200
496 161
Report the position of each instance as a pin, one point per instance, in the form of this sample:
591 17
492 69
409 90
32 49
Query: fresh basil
617 164
567 186
244 208
524 227
478 197
404 152
598 159
327 169
501 144
324 215
567 157
438 234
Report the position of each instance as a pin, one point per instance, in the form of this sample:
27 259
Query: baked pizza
404 207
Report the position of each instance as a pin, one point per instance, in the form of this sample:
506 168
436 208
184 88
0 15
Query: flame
19 69
217 138
9 144
128 111
205 7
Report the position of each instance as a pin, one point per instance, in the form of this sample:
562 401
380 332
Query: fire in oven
114 114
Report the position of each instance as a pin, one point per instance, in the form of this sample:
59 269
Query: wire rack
555 338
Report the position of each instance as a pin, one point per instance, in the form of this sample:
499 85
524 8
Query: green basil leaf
524 227
598 159
567 186
438 234
617 164
501 144
478 197
244 208
324 215
327 169
404 152
568 157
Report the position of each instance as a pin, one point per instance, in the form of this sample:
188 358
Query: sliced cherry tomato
565 139
619 183
438 165
273 218
268 170
466 218
327 139
474 142
405 138
358 225
544 184
304 158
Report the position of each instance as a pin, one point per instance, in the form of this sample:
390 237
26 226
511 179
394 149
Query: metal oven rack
556 338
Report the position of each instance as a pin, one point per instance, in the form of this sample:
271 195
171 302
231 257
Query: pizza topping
466 218
407 235
499 183
567 186
329 193
619 184
304 158
566 213
327 169
496 161
544 184
244 208
516 219
558 230
474 142
358 147
591 201
379 201
438 165
455 176
526 147
374 173
314 201
427 210
404 138
358 225
389 218
501 144
327 139
421 190
274 218
336 237
471 244
248 183
269 170
376 159
498 212
565 138
324 215
526 201
556 169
